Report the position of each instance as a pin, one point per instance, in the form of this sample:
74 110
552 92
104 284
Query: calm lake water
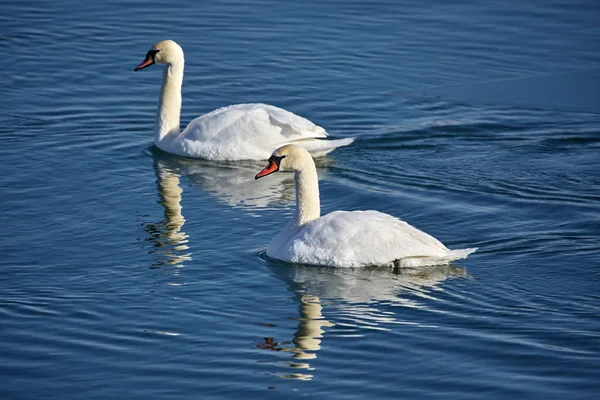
129 273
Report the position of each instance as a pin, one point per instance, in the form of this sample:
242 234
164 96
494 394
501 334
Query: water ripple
132 271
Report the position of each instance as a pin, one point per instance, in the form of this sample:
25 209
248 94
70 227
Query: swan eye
152 53
276 160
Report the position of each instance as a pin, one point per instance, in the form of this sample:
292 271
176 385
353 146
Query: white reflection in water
233 183
354 297
230 183
307 338
168 238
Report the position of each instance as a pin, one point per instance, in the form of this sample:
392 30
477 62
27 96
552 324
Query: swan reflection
168 238
355 298
307 337
232 183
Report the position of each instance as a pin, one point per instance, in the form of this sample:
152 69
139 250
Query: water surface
130 273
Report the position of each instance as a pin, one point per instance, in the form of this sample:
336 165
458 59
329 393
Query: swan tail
320 147
422 261
460 253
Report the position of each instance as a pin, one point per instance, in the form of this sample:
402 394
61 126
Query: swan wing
248 131
293 127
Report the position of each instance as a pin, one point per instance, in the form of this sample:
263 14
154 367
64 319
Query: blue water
130 273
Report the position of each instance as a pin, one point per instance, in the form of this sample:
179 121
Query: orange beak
148 61
269 169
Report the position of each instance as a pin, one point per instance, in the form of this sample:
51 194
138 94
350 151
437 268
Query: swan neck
169 103
308 206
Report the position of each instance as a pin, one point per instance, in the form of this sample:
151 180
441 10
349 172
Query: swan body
237 132
346 238
248 131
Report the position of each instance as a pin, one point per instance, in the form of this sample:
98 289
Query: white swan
237 132
346 238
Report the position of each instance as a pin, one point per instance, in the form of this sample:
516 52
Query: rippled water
130 273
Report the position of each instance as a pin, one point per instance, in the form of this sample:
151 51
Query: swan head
286 158
164 52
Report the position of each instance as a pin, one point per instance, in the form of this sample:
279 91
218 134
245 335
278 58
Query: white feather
250 131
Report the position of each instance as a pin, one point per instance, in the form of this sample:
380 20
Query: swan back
251 131
363 238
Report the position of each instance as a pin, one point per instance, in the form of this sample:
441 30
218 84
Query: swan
236 132
346 238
